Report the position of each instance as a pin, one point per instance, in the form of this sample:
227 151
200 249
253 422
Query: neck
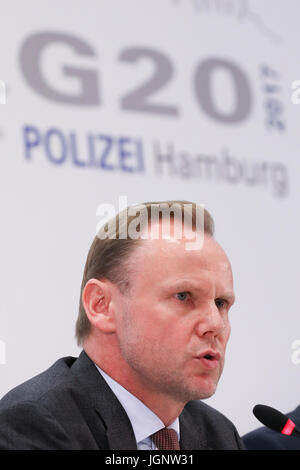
163 405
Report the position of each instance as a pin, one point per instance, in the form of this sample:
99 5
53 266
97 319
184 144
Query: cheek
146 319
159 323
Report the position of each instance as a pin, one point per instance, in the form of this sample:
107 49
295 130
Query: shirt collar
144 421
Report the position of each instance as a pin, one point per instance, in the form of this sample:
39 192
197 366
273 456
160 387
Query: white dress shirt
144 422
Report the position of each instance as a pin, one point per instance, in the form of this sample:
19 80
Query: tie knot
166 439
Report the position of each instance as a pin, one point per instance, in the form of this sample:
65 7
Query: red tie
166 439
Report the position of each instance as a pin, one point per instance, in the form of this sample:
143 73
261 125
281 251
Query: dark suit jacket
266 439
70 406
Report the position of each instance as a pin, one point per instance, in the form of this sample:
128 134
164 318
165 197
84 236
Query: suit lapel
104 412
191 437
107 419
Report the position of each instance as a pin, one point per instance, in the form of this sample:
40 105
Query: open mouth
208 356
209 359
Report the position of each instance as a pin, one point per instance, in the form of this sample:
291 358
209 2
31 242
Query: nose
211 321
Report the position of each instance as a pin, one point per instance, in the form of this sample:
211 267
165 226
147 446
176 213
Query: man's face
175 314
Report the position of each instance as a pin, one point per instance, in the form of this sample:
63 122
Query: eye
182 296
221 303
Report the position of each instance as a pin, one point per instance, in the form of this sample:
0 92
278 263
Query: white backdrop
154 100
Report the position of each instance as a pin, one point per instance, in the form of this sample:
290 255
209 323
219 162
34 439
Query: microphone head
273 419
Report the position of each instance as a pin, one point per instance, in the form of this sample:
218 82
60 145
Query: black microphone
276 420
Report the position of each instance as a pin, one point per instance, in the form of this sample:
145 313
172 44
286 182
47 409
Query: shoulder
207 413
219 431
26 417
37 387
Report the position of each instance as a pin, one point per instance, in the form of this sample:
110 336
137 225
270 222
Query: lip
212 362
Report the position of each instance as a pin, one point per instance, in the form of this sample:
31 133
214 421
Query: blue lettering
91 148
108 140
61 142
73 146
104 151
124 154
32 139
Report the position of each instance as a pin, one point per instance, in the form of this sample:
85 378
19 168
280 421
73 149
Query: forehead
166 261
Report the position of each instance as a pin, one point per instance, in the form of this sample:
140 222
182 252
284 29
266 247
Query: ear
96 299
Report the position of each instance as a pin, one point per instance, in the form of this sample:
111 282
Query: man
153 324
265 439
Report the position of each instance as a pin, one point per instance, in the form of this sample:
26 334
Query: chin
205 388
